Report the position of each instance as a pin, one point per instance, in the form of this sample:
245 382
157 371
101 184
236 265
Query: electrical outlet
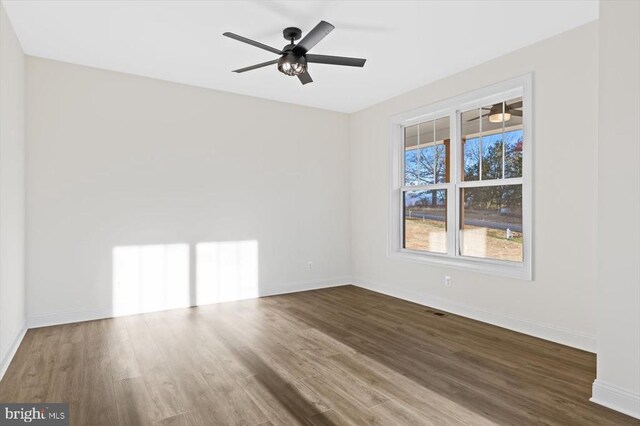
309 265
447 281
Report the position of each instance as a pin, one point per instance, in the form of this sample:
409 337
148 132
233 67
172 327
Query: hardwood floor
335 356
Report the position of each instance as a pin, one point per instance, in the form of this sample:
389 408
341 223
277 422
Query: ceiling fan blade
253 43
253 67
305 78
313 37
515 112
335 60
515 105
477 118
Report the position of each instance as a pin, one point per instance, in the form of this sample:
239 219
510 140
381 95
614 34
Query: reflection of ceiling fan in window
496 113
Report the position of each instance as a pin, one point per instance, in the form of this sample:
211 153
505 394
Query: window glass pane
411 137
411 155
425 220
491 128
491 222
470 131
513 140
427 161
427 153
441 151
425 157
492 156
426 133
513 154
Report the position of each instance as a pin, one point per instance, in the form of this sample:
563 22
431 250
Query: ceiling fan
294 58
496 114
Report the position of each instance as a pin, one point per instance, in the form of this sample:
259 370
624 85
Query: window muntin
481 216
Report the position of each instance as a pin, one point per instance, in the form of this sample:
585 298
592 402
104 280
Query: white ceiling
407 44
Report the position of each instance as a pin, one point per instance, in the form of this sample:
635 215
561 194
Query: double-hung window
461 192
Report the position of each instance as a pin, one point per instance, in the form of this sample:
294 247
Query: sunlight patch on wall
150 278
226 271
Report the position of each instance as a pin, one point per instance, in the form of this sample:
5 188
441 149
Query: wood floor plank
98 403
284 403
350 384
348 409
66 380
204 387
397 412
124 363
241 409
327 418
153 368
182 419
134 404
35 382
15 376
334 356
399 387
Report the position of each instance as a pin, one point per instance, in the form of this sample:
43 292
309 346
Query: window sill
483 266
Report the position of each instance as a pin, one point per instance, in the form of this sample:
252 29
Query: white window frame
452 108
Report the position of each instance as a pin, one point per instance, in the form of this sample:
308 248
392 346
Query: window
461 183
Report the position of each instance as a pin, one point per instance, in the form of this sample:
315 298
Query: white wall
12 169
618 379
116 162
559 304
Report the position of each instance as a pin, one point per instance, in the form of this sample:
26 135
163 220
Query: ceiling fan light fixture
498 118
292 65
496 114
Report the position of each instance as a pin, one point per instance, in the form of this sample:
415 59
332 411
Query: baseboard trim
306 286
69 317
616 398
544 331
13 348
